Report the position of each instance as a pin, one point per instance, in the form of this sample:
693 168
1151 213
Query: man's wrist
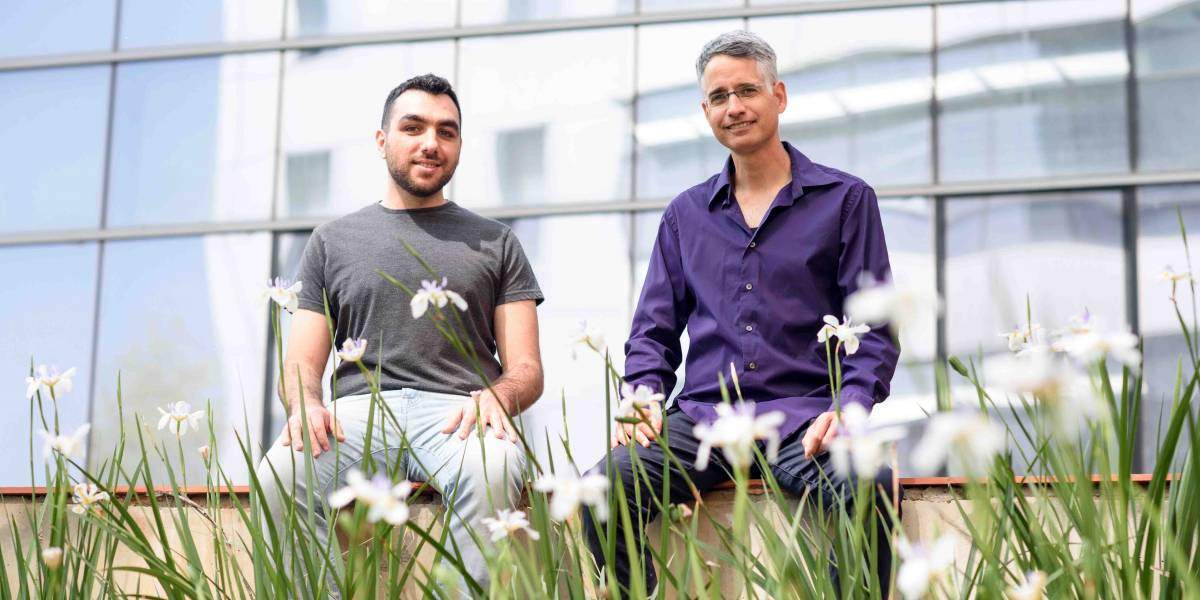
501 399
309 403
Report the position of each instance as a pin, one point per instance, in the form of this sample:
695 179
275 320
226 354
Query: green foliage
1090 526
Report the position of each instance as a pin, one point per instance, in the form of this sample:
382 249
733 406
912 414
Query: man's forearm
300 383
519 387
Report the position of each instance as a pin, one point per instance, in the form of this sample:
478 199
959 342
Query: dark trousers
792 470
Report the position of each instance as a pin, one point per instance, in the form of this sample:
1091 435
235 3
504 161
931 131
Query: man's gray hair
740 44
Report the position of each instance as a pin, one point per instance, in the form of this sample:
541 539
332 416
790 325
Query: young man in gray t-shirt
435 394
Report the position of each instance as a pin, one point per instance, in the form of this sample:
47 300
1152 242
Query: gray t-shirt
480 258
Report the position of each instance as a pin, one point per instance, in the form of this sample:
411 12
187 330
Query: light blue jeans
476 477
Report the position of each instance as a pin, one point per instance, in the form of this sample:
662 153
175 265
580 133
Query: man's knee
277 473
494 464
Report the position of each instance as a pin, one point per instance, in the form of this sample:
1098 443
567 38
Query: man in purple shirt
749 262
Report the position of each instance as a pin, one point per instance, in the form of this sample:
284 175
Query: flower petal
419 304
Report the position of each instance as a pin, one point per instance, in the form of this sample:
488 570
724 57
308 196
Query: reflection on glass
180 22
327 17
1168 74
52 173
645 229
546 118
582 265
56 27
675 147
45 317
194 140
859 90
908 227
1031 89
480 12
1062 251
332 105
680 5
1160 246
182 319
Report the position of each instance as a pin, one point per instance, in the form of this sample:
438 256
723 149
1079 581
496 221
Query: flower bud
52 557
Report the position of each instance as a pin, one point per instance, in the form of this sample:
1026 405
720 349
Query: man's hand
485 409
644 432
321 423
820 433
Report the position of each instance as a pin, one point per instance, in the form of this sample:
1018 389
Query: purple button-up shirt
755 297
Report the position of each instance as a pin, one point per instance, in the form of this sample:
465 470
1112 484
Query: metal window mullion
939 274
634 155
266 426
939 202
518 28
101 245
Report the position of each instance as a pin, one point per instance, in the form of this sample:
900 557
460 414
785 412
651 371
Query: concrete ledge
930 507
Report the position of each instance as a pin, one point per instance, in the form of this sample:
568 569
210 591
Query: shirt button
749 328
749 286
753 244
752 366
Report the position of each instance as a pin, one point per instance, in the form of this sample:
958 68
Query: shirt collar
805 173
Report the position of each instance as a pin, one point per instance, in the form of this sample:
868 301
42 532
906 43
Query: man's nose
429 143
734 106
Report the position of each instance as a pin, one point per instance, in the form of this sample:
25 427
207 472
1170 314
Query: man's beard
399 174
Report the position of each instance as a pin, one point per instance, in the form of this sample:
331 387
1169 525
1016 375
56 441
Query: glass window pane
861 102
1168 73
680 5
908 227
1160 246
56 26
1062 250
195 140
858 102
329 17
582 265
675 147
332 105
47 318
480 12
1032 89
546 118
50 184
180 22
182 319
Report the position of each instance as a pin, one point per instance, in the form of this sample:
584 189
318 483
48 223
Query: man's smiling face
422 143
741 124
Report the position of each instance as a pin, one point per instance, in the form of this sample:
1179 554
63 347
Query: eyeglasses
745 92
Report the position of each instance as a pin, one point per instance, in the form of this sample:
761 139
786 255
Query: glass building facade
164 158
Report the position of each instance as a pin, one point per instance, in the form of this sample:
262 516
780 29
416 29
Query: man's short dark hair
429 83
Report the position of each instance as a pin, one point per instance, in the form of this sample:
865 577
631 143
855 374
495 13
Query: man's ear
380 139
780 92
